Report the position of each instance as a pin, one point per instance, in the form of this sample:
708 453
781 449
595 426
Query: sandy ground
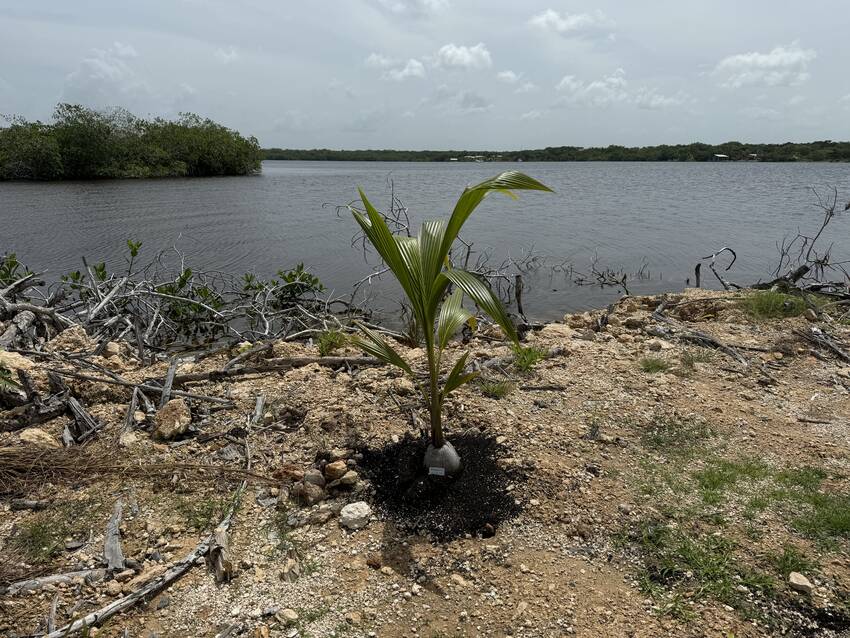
668 502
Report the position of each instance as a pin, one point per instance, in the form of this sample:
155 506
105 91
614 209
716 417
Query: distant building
720 157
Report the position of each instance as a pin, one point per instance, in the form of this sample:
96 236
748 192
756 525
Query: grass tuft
525 358
329 341
767 304
652 365
496 389
792 560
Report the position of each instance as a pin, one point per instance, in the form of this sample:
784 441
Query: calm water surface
657 216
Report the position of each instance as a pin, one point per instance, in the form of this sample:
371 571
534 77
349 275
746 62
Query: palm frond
474 195
452 317
456 377
484 297
372 343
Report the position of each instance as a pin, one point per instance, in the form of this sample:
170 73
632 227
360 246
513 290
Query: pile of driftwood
160 308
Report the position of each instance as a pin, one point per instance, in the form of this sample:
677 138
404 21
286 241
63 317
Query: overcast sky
436 74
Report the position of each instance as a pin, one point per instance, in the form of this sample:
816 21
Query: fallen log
675 328
275 365
112 552
172 574
821 338
143 387
33 584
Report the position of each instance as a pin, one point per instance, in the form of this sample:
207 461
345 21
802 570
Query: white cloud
472 102
526 87
413 7
378 61
393 69
603 92
534 114
106 78
450 101
124 50
649 98
796 100
509 77
228 55
413 69
781 66
762 113
614 89
587 25
464 57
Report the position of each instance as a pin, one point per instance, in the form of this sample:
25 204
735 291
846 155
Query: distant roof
720 155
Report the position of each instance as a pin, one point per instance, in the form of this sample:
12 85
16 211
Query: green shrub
652 365
766 304
329 340
525 358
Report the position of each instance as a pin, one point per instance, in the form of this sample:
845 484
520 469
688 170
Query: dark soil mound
475 502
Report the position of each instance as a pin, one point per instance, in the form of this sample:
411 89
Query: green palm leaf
452 317
474 195
484 297
456 377
372 343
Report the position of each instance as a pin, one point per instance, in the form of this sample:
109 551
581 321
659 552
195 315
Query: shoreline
627 426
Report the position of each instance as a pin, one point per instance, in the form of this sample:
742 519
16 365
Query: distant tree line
83 143
824 151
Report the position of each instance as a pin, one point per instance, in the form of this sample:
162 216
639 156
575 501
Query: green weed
767 304
652 365
330 340
525 358
496 389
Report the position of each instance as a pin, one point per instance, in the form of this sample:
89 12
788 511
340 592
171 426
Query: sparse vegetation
653 365
200 512
329 341
526 357
496 389
674 435
767 304
791 559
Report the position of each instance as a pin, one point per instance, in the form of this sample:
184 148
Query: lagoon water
657 218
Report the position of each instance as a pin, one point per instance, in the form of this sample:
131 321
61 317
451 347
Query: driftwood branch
112 553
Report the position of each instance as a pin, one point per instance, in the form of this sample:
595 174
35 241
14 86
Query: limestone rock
355 515
800 583
173 419
335 470
289 616
315 477
73 339
111 350
126 439
13 361
37 436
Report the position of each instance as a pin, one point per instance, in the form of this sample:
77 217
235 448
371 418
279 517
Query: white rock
355 515
800 583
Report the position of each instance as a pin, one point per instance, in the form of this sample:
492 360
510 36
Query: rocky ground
626 485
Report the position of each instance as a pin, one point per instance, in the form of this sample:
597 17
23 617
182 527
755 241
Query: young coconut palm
422 267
